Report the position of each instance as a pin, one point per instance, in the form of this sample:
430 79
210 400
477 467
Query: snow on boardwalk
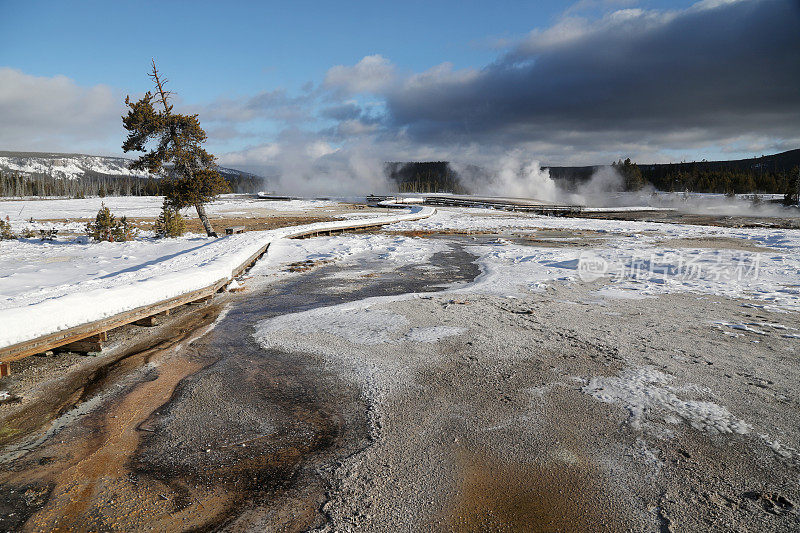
38 296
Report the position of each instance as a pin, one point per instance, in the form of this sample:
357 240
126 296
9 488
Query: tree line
723 179
425 177
12 184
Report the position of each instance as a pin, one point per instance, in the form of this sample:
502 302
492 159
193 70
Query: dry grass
303 266
193 225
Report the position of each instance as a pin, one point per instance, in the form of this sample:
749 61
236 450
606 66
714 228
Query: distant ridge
76 166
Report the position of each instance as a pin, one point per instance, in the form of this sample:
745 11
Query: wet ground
218 432
791 220
561 410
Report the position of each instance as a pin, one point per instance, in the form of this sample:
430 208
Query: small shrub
5 231
169 223
48 234
107 227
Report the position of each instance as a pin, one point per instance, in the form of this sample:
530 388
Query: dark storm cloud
713 72
348 111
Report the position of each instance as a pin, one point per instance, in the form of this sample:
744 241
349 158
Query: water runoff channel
241 439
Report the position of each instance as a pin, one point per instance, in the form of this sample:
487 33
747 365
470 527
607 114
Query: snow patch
432 334
358 325
634 255
740 327
644 391
358 322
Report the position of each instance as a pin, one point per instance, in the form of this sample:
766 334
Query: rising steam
516 176
315 169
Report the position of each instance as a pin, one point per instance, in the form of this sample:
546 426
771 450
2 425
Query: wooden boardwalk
90 336
503 204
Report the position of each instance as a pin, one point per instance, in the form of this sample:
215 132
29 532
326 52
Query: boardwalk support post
87 345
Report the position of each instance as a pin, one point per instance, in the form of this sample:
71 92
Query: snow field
635 256
20 212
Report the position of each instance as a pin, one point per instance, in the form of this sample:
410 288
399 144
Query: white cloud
588 89
572 29
55 113
352 128
372 74
711 4
441 74
273 105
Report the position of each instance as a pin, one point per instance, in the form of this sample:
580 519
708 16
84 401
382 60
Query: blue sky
212 48
276 83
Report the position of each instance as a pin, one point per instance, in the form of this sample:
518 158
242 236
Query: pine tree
169 223
107 227
192 176
792 196
5 230
631 174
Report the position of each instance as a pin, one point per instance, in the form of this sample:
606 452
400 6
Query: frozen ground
573 398
596 375
557 407
51 286
640 258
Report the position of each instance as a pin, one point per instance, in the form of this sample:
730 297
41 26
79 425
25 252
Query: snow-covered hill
73 166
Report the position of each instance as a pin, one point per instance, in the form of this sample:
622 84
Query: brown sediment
84 477
303 266
717 243
92 490
78 377
194 225
270 475
497 495
96 474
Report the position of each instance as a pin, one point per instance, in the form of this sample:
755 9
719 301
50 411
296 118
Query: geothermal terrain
473 370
